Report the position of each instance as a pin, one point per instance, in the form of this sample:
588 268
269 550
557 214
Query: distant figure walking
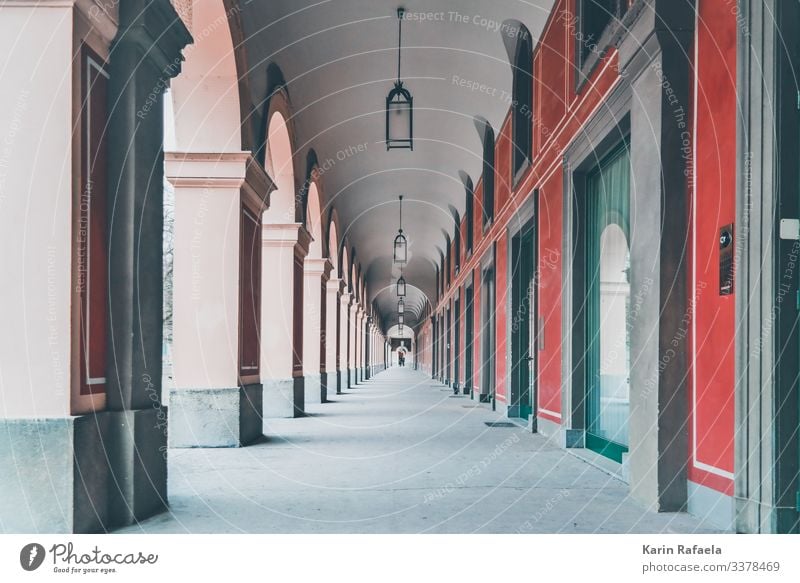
401 359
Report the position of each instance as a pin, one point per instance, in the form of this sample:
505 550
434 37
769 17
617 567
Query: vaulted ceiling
338 59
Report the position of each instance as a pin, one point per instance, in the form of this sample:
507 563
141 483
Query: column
333 288
35 338
83 413
374 345
284 249
316 273
368 358
343 374
219 200
357 343
360 344
367 345
352 348
135 254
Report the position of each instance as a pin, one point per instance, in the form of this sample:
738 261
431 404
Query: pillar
82 399
219 200
360 317
344 340
135 258
352 348
285 247
316 273
368 351
374 345
333 288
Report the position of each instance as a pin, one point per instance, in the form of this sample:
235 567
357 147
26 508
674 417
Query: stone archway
317 270
220 193
285 246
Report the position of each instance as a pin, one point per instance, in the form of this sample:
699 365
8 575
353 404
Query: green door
522 348
608 305
468 339
457 345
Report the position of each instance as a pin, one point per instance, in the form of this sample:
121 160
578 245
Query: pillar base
352 377
220 417
314 389
55 476
284 397
83 474
137 448
330 384
341 381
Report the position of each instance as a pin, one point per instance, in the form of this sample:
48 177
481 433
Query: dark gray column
766 447
660 70
144 56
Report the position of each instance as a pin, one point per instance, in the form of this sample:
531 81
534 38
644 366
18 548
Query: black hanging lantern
401 287
400 242
401 306
399 105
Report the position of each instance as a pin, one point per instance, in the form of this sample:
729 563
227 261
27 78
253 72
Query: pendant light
401 306
400 242
399 104
401 286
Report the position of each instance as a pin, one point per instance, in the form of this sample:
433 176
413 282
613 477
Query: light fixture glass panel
401 287
400 249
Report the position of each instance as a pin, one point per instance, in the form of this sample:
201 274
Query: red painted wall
477 226
711 427
502 165
548 277
551 66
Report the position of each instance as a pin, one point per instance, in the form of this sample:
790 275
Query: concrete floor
398 454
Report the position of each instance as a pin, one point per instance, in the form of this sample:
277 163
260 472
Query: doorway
456 344
448 336
608 305
785 416
469 337
523 351
487 336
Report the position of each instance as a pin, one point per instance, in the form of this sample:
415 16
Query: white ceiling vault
338 59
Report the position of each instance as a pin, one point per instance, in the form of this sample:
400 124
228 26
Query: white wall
35 210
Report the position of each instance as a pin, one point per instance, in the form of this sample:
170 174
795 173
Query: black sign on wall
726 260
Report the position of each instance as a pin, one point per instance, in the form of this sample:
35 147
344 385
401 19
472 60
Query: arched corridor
399 454
348 266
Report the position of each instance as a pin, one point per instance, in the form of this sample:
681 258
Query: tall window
457 244
488 176
449 262
470 215
522 121
594 17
